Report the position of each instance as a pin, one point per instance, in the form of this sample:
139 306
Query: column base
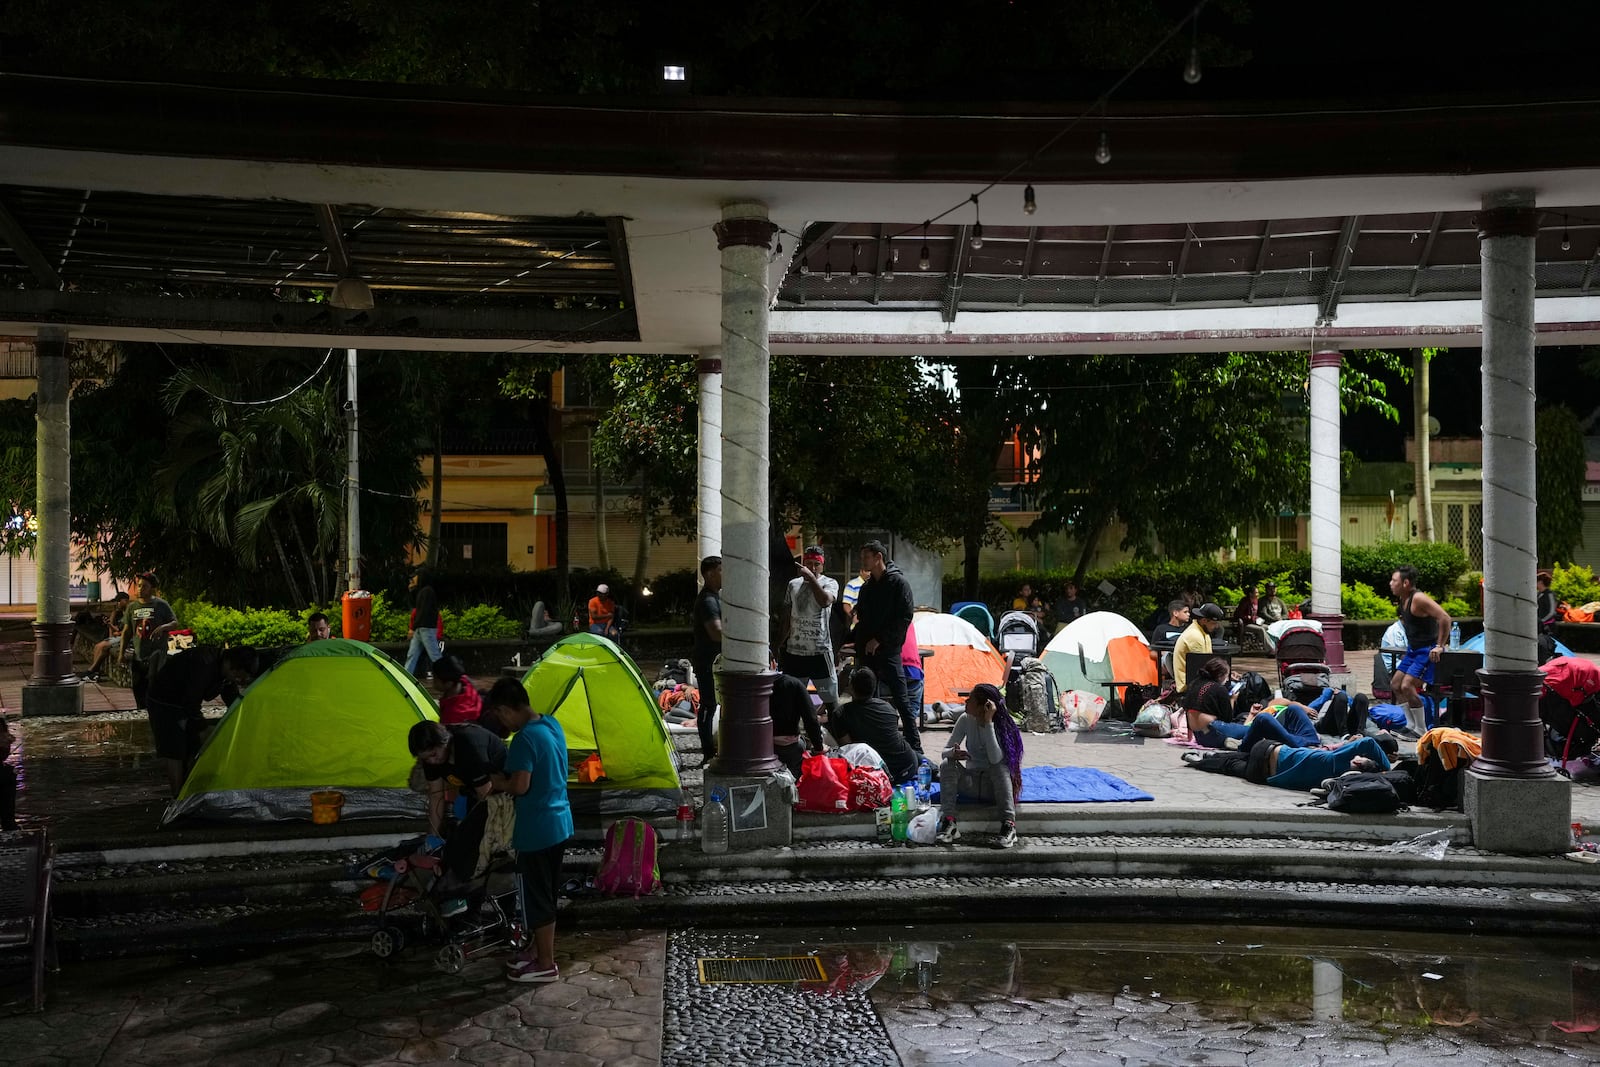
40 700
52 654
744 740
1513 734
1520 815
760 808
1333 638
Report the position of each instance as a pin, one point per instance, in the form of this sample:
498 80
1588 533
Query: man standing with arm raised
1427 628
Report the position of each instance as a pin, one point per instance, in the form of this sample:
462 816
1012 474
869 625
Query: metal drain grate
756 970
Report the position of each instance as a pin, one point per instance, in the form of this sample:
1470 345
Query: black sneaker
949 833
1008 835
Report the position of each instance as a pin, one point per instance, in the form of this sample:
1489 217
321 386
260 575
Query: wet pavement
975 995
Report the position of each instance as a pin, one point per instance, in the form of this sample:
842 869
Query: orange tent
961 658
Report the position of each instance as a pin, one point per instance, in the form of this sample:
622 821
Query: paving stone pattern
776 1025
338 1004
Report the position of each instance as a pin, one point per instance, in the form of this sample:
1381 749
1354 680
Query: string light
855 256
889 263
1029 205
805 266
922 264
827 265
977 225
1566 238
1102 152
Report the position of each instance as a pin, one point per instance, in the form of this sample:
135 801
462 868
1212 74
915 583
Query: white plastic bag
862 755
1082 710
924 827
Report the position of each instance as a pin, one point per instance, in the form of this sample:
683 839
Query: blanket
1070 785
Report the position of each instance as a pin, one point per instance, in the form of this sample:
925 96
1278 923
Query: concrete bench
26 860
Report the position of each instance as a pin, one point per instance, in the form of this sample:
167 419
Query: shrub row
274 627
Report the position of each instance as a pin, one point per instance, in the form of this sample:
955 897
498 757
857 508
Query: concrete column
53 689
760 790
1326 533
1516 801
709 368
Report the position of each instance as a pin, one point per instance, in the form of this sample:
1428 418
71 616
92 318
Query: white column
710 517
744 237
1325 539
53 478
1509 527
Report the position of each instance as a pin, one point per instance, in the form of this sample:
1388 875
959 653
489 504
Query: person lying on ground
983 761
184 682
792 708
459 699
1291 767
875 722
1283 721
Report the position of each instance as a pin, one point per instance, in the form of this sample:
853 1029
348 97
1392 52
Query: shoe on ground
452 907
1320 793
525 972
1008 835
949 832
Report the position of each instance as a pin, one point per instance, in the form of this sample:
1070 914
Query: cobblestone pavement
338 1004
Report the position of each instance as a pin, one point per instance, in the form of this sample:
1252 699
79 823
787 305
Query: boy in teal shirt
536 776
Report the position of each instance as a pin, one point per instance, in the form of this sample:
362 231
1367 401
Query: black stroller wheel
387 941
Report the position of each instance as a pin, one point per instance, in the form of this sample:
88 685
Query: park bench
26 859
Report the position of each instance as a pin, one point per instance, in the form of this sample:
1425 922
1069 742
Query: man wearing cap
883 614
1195 640
602 611
805 649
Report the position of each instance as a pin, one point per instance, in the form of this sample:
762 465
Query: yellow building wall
487 489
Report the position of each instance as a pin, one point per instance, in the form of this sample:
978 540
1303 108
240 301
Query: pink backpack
628 866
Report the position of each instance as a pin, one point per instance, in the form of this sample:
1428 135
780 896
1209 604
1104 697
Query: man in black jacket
870 721
883 614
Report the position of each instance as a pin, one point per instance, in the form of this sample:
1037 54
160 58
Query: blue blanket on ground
1071 785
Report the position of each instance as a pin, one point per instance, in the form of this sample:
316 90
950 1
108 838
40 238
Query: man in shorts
536 776
1427 628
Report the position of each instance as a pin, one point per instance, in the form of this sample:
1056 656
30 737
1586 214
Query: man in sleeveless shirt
1427 628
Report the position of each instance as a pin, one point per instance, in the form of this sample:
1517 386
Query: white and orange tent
1100 647
962 658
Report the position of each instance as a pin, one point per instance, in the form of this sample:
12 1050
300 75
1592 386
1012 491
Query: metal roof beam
951 303
877 260
1427 252
1338 264
1105 262
1261 261
338 254
17 237
289 322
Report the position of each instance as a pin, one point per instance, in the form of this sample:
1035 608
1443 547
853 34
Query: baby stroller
977 613
404 898
1019 633
1570 708
1303 655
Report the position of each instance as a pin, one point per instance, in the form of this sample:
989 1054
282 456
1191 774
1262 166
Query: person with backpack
536 777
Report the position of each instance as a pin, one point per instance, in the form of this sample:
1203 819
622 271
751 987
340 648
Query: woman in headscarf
987 767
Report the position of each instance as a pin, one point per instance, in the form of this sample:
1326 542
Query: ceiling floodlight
352 294
670 73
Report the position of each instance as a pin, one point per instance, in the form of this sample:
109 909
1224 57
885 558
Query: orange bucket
325 805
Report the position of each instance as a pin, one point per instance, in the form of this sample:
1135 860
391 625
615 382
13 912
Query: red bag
870 788
824 784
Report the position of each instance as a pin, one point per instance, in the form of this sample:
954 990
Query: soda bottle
714 838
685 821
899 816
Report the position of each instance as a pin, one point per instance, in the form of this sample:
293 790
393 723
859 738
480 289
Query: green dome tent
328 715
603 705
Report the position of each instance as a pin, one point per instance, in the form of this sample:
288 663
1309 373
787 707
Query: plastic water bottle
714 838
899 816
1455 635
924 782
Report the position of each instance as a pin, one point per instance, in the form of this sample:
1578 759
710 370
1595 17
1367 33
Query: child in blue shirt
536 776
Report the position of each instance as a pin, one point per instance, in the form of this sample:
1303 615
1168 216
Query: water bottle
899 816
714 838
1455 635
924 782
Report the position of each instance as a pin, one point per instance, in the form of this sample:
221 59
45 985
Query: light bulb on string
922 263
1191 69
1566 238
977 225
1102 152
1029 205
805 266
888 264
855 256
827 265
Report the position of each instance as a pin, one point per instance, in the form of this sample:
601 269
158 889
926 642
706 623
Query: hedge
273 627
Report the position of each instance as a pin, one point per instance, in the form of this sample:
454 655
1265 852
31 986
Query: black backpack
1136 696
1437 788
1253 690
1367 793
